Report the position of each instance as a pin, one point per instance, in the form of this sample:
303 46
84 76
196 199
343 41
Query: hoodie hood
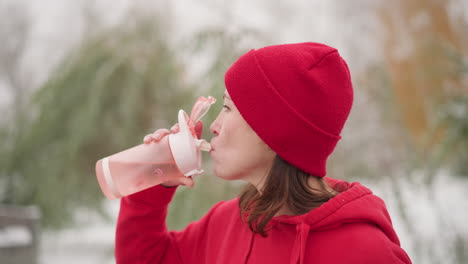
354 204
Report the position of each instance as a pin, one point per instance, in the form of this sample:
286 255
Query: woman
284 109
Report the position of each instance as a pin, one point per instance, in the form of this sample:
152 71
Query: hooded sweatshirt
352 227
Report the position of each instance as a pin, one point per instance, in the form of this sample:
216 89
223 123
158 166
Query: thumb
188 181
199 129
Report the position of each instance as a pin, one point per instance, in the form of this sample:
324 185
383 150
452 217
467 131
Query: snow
91 242
15 236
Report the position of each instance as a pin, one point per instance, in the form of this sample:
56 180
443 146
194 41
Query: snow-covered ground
91 242
436 217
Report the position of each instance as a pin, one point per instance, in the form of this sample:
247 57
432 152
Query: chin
223 176
227 174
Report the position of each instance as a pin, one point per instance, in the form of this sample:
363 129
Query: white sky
58 25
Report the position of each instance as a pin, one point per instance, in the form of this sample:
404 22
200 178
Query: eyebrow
225 96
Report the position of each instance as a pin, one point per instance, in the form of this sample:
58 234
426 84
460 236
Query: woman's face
237 151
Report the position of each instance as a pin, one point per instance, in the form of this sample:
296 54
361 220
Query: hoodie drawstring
302 232
249 250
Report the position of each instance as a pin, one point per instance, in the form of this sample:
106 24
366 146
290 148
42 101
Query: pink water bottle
147 165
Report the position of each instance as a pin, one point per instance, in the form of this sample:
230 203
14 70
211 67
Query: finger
199 129
147 139
159 134
156 136
188 181
175 128
163 131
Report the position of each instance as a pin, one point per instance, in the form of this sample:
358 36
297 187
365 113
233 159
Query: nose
214 127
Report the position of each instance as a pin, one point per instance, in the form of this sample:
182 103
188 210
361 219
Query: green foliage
119 85
454 149
455 115
451 116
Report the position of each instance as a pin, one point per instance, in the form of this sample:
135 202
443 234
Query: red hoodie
352 227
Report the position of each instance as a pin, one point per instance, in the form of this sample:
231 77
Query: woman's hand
158 135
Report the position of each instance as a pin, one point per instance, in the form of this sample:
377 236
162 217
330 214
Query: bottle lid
184 148
184 145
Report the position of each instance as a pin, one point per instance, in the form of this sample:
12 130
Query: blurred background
80 80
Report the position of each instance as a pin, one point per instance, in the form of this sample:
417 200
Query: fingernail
156 136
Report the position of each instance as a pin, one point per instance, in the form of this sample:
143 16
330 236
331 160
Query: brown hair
285 186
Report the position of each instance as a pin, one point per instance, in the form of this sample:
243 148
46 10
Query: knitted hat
296 97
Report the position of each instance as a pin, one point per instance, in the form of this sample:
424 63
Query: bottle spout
203 145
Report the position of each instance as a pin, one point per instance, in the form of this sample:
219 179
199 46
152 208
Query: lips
212 146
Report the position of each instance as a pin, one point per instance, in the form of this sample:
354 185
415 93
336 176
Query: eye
226 108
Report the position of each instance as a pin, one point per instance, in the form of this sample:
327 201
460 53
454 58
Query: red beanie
296 97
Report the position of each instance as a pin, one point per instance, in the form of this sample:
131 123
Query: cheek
242 153
230 133
244 162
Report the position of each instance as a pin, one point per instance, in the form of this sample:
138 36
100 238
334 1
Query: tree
426 61
425 67
119 85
